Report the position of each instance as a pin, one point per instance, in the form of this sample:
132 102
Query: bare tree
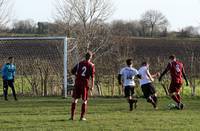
153 20
5 9
85 20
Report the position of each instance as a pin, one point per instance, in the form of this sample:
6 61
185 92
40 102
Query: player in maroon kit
83 71
177 73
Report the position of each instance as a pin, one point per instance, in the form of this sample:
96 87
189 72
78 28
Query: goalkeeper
8 75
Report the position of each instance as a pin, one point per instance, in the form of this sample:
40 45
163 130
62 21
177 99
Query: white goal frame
64 38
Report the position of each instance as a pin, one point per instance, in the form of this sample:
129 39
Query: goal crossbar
35 38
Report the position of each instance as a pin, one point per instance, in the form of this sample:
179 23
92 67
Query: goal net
43 64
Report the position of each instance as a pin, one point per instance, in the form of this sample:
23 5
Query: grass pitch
104 114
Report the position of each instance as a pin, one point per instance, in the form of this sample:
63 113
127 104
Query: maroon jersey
176 69
83 71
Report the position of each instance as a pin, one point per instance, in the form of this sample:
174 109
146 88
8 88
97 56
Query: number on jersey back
84 70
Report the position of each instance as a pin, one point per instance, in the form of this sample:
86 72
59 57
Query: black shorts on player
150 94
129 91
148 90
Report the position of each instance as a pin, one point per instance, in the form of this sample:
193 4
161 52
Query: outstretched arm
155 75
149 75
164 72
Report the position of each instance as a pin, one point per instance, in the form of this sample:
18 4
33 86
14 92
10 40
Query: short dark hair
9 58
144 63
171 57
88 55
129 62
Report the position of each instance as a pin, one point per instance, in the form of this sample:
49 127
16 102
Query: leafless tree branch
5 11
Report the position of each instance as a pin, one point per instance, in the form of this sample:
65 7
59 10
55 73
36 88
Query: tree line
73 14
152 24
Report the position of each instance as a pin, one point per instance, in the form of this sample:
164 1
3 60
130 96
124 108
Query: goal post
4 40
65 66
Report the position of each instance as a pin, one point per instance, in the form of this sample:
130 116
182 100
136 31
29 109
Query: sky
180 13
38 10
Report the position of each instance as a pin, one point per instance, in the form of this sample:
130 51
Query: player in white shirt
126 76
146 84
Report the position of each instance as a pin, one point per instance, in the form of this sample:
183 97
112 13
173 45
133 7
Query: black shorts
129 91
148 90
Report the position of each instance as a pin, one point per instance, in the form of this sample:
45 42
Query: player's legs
150 94
73 107
155 98
84 103
174 92
128 96
129 92
76 94
83 109
5 89
153 95
11 84
173 95
176 97
178 89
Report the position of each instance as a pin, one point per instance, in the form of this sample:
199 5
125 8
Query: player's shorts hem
129 91
148 89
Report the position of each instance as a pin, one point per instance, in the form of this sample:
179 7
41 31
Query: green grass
51 114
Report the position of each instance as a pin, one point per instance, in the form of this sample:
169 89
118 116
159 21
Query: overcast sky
180 13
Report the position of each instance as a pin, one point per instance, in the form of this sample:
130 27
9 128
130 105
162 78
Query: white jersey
128 74
144 77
